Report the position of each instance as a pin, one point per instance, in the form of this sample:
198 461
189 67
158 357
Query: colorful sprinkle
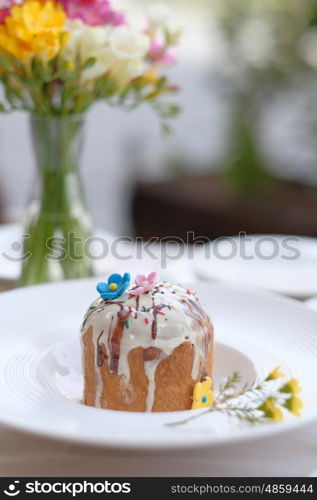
146 321
127 324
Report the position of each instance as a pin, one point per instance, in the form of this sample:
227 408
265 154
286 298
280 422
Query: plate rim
298 295
245 436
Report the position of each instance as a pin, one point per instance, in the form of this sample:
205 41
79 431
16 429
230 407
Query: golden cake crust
173 381
147 352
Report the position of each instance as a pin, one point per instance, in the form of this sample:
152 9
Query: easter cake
147 347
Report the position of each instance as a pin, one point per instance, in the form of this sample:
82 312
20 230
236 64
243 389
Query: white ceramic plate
40 369
10 249
312 304
270 263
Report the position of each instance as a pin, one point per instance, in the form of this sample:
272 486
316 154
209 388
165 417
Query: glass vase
57 222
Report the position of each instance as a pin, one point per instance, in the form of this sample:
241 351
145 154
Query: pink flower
93 12
3 14
145 284
5 6
159 55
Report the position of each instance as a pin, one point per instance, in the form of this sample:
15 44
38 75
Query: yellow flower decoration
203 395
34 28
292 387
271 411
275 374
294 404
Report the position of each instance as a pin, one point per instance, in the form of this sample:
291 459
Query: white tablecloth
293 454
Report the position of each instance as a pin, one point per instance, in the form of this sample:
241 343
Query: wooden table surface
6 285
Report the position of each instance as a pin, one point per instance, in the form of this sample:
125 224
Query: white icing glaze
150 370
175 319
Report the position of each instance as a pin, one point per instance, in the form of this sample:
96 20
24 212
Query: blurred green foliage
266 46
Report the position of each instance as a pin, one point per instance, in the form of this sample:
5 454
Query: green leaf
4 62
87 64
167 129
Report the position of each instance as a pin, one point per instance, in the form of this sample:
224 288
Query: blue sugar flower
115 287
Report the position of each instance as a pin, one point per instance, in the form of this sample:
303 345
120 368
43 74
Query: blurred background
243 156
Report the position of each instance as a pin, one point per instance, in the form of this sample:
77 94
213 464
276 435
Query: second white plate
281 264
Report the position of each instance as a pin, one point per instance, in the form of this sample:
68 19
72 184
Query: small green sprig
254 403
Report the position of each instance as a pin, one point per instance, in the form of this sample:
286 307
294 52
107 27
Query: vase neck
57 142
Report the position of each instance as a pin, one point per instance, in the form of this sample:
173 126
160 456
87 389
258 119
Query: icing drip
152 358
150 370
156 309
101 352
137 303
200 321
157 321
99 388
115 341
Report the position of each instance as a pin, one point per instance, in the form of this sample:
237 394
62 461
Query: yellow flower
292 387
275 374
34 28
294 404
69 66
203 395
271 410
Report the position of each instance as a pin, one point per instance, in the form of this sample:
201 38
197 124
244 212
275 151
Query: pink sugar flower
145 284
93 12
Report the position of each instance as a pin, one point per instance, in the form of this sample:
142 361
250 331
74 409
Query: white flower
126 43
126 53
161 21
7 4
174 33
308 47
120 51
158 16
87 42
